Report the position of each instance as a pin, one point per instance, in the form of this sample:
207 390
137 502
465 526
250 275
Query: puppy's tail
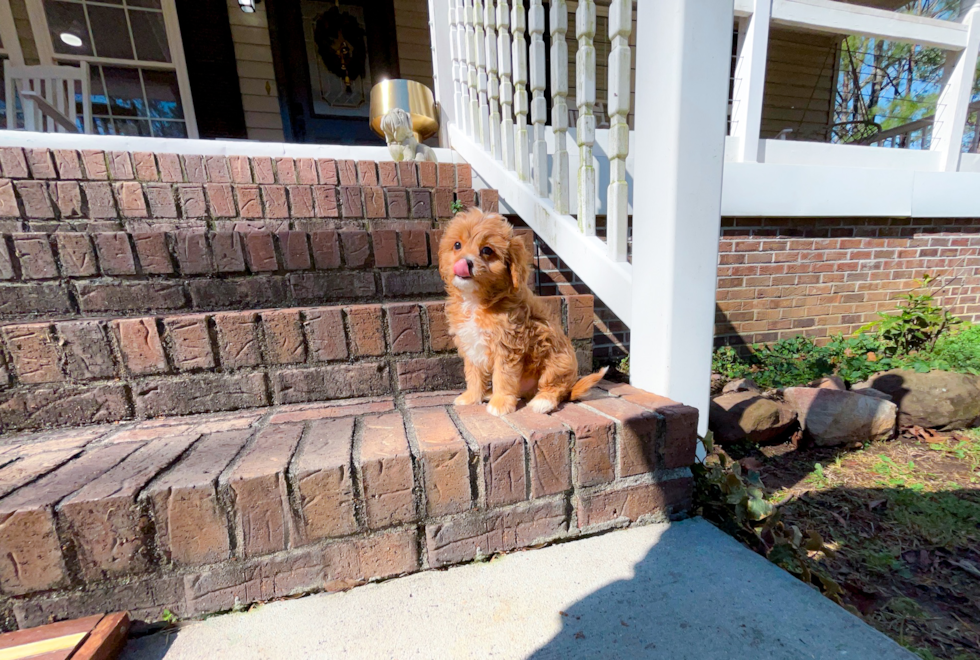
587 383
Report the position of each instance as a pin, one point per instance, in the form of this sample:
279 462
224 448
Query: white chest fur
472 339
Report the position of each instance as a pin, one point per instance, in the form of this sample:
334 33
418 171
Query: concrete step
74 372
202 514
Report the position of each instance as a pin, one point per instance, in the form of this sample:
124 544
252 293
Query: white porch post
750 79
952 106
441 33
683 58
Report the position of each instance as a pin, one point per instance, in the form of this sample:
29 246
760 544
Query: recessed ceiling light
71 39
248 6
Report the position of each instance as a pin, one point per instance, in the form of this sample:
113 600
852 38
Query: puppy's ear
520 266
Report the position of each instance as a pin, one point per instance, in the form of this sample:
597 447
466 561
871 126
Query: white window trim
8 34
45 49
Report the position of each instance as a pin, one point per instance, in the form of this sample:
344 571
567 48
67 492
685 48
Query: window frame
178 63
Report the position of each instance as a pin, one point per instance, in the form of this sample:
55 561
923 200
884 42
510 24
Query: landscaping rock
830 383
739 416
936 400
717 383
830 417
872 392
741 385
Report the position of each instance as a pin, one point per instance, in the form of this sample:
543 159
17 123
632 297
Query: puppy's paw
500 406
541 405
467 399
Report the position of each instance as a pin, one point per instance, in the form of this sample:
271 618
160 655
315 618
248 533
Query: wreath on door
339 40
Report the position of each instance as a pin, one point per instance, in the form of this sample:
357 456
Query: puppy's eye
457 245
486 252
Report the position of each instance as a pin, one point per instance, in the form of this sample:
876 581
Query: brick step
202 514
80 274
74 372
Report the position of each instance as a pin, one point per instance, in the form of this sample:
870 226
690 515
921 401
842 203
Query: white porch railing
683 59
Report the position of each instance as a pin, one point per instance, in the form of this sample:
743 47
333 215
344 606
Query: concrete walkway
675 591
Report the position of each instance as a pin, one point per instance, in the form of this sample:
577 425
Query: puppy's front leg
506 386
476 384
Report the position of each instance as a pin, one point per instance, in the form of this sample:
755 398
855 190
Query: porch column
440 33
683 60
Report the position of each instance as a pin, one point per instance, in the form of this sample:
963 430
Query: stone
938 399
831 417
322 482
746 416
830 383
741 385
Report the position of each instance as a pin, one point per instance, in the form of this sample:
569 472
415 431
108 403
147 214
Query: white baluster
559 104
750 81
464 88
506 89
585 100
490 20
481 73
618 107
471 73
539 107
952 106
519 56
454 24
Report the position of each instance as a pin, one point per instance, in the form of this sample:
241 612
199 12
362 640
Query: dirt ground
904 519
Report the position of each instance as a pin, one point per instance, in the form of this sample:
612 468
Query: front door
328 54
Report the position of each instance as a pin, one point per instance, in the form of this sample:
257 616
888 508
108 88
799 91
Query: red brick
260 251
404 328
283 336
120 165
330 410
552 307
129 296
439 337
637 431
388 173
408 174
325 202
41 164
385 248
217 168
86 349
501 455
397 203
385 465
95 167
443 202
239 168
295 251
447 175
238 343
145 165
221 202
191 526
227 250
206 392
192 202
263 170
285 170
630 503
322 481
35 256
594 452
489 200
249 205
274 200
414 249
154 256
34 353
367 172
482 533
301 201
258 484
193 255
374 202
306 171
464 175
69 167
348 172
580 315
6 263
170 171
140 345
435 236
357 249
332 382
466 197
190 345
421 203
427 175
115 253
548 449
439 373
194 168
350 199
367 337
444 462
34 197
8 201
13 163
327 170
680 426
161 200
76 254
326 249
325 334
104 518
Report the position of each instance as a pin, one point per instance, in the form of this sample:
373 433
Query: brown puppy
509 343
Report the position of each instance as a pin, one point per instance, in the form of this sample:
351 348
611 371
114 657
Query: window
139 80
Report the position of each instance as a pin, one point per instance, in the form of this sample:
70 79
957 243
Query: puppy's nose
463 268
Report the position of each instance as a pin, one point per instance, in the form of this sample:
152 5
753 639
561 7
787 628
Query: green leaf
759 509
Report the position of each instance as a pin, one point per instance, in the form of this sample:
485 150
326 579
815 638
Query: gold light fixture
412 97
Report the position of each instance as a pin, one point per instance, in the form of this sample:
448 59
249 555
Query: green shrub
917 324
788 362
960 351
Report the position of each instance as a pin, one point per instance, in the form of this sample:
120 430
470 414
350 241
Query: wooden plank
106 639
60 629
51 647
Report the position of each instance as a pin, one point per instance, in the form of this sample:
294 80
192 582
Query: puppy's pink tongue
461 268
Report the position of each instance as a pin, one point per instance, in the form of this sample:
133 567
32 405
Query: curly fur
511 346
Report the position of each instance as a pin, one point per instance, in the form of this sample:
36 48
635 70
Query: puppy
510 345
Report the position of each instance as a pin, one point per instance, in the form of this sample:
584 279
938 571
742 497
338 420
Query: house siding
256 76
414 41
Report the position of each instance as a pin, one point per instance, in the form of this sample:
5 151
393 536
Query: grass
904 520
